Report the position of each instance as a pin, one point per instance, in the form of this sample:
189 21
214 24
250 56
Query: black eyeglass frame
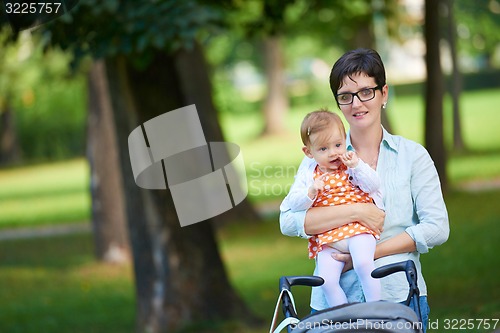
356 95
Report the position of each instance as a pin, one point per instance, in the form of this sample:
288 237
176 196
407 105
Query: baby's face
326 147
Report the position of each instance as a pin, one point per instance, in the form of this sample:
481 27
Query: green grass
463 273
54 284
477 114
45 194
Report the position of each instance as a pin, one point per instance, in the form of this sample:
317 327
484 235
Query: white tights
362 248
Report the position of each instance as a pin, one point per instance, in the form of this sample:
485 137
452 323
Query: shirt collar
387 140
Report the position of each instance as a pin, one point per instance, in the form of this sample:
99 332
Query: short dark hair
366 61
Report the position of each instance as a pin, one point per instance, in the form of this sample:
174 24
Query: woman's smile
360 114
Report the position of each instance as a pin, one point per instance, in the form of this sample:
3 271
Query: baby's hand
350 159
317 186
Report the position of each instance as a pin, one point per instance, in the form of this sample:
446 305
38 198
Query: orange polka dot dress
338 190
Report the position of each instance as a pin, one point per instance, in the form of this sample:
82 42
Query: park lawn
54 284
45 194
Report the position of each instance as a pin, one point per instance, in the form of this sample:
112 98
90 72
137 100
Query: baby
338 177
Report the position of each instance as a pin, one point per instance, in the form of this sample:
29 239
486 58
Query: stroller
381 316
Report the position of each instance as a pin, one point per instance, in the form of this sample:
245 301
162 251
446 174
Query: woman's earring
384 105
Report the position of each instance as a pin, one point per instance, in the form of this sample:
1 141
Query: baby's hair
317 121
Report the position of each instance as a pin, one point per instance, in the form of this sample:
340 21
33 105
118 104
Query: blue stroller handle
380 316
407 266
410 269
309 281
286 283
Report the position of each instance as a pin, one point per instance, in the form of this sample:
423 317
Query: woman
415 218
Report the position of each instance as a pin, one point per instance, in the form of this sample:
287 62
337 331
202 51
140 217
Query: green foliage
478 27
275 17
47 103
16 74
227 97
52 125
136 30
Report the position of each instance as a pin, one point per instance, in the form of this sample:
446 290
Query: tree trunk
276 102
9 146
365 37
192 67
434 138
108 211
456 79
179 275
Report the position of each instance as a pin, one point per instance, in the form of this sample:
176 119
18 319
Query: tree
434 138
479 30
10 71
180 277
331 23
108 220
276 102
267 27
150 69
9 147
456 78
108 211
36 90
361 24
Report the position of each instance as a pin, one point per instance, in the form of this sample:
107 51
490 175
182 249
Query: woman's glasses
363 95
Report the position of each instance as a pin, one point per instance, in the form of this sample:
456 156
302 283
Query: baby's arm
299 197
316 186
362 174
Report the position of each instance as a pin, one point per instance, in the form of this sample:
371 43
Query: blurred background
82 249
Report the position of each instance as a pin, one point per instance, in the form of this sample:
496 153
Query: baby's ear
307 152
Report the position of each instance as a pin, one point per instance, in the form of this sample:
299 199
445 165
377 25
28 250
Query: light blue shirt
413 203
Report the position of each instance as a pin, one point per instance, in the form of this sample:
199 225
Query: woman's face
359 114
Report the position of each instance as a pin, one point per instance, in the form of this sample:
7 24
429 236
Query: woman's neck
366 140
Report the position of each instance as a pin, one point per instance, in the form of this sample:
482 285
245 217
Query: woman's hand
321 219
344 257
371 217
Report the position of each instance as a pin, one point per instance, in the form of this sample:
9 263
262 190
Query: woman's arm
401 243
433 226
321 219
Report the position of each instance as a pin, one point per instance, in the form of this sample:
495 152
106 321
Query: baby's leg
362 249
330 269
